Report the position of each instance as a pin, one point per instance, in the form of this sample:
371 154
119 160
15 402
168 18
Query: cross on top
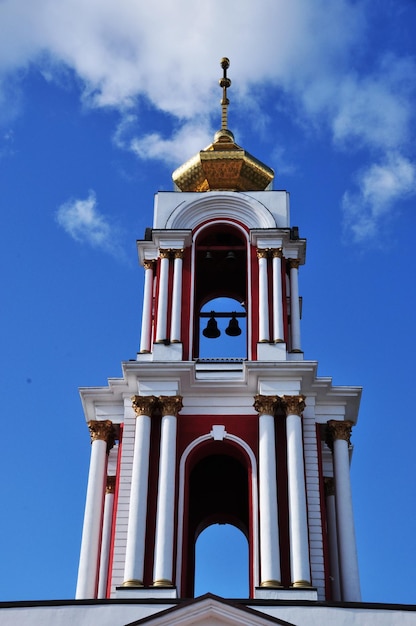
225 83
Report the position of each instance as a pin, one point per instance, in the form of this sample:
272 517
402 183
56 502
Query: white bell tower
184 440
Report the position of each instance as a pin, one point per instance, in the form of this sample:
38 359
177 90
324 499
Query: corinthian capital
294 263
170 405
178 254
339 430
164 253
277 253
102 430
262 253
294 405
265 405
148 264
143 405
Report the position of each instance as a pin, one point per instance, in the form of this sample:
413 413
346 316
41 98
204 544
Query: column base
271 584
132 583
163 582
301 584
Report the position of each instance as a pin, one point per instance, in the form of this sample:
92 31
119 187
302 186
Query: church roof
223 165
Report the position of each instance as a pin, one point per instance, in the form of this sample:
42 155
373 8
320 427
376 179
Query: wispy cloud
378 188
81 219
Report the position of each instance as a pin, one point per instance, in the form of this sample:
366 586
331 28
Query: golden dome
223 165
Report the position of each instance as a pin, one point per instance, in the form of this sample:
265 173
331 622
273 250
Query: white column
347 548
162 303
294 305
106 536
175 328
101 437
136 528
278 333
270 574
164 538
145 340
264 335
331 519
298 521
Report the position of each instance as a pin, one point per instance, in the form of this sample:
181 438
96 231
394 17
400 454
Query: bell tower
220 419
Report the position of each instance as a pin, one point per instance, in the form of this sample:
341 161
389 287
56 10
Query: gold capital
265 405
102 430
294 405
178 254
148 264
277 253
338 429
164 253
110 486
294 263
262 253
170 405
143 405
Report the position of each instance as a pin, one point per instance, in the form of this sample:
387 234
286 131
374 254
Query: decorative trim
178 254
277 253
164 253
149 264
262 253
294 263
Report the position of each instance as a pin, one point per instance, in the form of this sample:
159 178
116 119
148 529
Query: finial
224 82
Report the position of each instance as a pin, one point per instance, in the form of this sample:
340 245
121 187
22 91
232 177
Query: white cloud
379 187
306 55
84 223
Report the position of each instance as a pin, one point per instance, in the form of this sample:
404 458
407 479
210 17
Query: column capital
143 405
149 264
294 263
265 405
170 405
164 253
262 253
338 429
293 405
329 486
178 253
277 253
110 486
102 430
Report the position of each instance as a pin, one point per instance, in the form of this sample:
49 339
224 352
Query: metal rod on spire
224 82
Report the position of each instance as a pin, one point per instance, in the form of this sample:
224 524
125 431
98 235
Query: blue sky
99 103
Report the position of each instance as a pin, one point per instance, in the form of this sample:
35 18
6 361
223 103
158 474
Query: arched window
221 562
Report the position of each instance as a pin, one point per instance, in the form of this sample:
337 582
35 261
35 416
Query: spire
223 165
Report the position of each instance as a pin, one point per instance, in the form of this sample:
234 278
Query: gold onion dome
223 165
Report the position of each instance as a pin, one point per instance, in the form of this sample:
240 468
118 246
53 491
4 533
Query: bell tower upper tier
221 261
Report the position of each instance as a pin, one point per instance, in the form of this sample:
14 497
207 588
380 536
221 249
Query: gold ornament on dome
223 165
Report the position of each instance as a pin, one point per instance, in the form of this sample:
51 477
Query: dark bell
230 256
233 329
211 331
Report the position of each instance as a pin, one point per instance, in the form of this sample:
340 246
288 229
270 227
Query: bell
208 256
230 256
233 329
211 331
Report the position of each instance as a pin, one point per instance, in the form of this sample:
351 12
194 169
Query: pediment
209 610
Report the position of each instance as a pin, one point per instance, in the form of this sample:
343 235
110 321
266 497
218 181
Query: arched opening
220 276
231 322
221 562
218 493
